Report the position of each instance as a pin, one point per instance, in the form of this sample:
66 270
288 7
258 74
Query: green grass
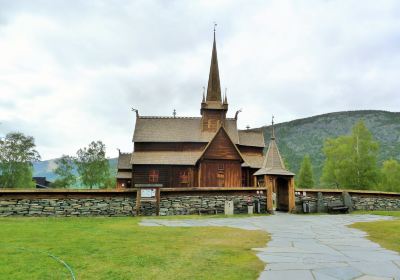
381 213
118 248
385 233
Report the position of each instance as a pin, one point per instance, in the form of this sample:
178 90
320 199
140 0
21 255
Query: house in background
124 170
41 182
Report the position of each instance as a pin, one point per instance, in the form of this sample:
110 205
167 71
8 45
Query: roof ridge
167 117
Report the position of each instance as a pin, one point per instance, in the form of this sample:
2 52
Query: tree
93 167
306 178
65 172
351 160
17 152
390 176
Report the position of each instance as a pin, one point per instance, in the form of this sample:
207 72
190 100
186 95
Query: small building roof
124 161
124 175
253 161
251 138
166 157
273 163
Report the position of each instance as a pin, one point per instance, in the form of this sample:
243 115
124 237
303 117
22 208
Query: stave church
208 151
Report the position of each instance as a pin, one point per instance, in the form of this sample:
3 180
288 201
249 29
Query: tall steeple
213 107
214 85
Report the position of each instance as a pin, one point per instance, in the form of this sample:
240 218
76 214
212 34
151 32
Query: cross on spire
273 129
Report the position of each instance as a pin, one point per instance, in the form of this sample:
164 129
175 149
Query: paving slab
315 247
286 275
366 277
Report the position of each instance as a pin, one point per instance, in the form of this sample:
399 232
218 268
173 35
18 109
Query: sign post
148 193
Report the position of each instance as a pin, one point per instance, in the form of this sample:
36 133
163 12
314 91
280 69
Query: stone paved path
317 247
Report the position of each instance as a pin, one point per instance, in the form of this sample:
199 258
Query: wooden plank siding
212 119
251 150
221 173
221 147
247 177
220 165
168 175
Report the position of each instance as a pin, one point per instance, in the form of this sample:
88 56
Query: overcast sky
70 71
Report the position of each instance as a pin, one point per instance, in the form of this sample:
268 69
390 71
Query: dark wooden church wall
221 148
220 173
212 119
250 150
247 177
169 176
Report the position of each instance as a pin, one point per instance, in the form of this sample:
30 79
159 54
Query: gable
221 147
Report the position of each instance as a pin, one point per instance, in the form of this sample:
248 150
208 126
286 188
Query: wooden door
282 194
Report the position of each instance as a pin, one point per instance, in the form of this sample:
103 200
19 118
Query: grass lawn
118 248
385 233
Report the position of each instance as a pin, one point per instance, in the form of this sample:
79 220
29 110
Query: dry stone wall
116 203
362 202
209 204
319 201
67 207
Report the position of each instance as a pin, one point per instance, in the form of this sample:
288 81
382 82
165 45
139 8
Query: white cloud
71 70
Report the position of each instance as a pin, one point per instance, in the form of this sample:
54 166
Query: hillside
299 137
45 168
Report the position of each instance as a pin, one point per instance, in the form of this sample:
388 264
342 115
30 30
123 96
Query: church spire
214 86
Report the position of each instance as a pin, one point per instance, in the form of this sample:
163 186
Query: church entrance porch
280 192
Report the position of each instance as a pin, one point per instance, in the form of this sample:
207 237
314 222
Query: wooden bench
208 211
337 208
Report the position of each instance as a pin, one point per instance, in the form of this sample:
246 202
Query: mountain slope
306 136
46 168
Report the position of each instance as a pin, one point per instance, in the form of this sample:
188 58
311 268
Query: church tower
213 108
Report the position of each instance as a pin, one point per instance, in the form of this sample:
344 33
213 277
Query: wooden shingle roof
124 174
273 163
253 161
188 129
166 157
251 138
124 161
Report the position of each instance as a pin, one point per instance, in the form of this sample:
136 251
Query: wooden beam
291 203
268 183
199 176
138 202
158 200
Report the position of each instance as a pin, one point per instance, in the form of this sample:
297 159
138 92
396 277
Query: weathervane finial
273 129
